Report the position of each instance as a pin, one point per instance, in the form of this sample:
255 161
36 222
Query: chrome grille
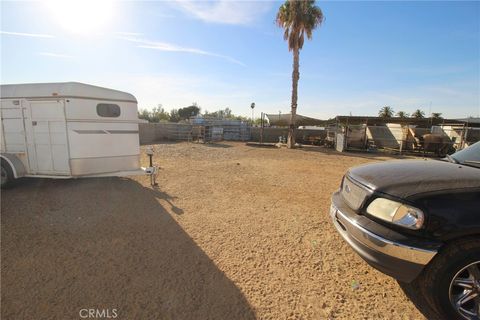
353 194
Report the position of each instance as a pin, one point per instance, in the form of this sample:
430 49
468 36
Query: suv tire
453 273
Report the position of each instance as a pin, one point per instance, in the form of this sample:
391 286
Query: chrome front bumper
398 260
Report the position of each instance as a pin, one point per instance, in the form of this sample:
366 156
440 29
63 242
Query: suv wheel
464 291
451 282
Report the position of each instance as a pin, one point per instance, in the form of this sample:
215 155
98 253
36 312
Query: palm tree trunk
295 78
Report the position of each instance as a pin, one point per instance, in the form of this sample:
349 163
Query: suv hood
405 178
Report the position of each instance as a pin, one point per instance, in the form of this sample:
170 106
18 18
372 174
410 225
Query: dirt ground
232 232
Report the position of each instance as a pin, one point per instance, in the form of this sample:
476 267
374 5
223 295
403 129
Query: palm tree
385 112
418 114
402 114
297 18
436 115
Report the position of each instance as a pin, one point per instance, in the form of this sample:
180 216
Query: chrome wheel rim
464 292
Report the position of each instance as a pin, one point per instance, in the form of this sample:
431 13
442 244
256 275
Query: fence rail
394 137
206 131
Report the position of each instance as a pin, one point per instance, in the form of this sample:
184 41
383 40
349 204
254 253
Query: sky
220 54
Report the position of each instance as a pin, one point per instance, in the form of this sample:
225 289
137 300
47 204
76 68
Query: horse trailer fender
15 164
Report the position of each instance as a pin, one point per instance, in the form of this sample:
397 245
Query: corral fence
440 139
390 137
394 137
197 129
275 134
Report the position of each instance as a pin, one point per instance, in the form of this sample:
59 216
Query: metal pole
261 130
346 136
365 136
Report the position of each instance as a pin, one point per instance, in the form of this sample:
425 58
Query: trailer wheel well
8 165
16 166
7 174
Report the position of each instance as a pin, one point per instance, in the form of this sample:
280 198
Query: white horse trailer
68 130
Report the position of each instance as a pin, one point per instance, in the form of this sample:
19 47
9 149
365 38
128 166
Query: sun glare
85 17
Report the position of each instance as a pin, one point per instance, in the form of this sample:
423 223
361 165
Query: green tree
221 114
174 116
155 115
159 114
144 114
436 115
187 112
402 114
418 114
257 121
297 18
385 112
225 114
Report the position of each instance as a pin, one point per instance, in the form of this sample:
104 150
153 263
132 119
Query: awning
284 120
427 122
470 120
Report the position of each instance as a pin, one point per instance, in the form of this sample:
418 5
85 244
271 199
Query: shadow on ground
217 145
107 244
412 292
329 151
358 154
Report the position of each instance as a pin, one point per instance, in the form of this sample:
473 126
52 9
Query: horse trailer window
108 110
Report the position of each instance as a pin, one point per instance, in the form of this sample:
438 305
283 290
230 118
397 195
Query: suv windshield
469 156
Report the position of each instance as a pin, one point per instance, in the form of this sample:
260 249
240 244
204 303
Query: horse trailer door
47 138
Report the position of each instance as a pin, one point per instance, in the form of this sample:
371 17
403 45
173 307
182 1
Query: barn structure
401 134
274 127
364 133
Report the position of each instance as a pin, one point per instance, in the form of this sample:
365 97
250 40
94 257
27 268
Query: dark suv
419 222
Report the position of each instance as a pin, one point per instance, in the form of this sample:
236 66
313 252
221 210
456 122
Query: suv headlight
396 213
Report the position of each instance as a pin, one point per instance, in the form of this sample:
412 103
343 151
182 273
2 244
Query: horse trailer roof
62 90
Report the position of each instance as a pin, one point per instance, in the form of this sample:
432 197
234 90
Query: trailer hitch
151 170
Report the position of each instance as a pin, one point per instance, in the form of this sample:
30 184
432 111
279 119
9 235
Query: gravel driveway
232 232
